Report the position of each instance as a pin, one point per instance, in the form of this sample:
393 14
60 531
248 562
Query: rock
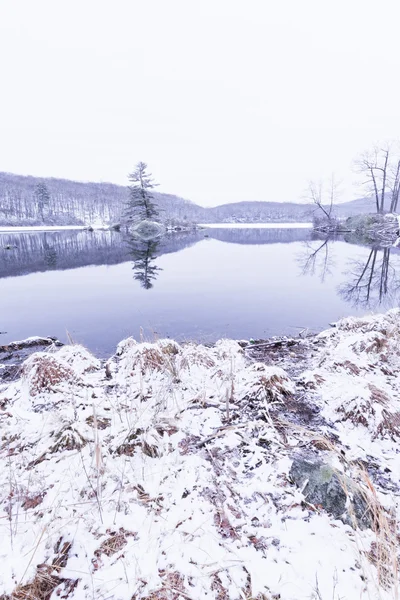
15 353
147 230
322 485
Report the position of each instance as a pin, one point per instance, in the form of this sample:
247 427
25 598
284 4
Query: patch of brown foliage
378 395
172 588
47 578
45 372
348 366
225 529
33 501
359 414
68 439
101 422
114 543
377 345
390 424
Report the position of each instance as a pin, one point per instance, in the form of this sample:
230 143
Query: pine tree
141 205
42 198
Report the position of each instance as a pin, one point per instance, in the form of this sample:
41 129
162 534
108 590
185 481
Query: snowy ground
257 225
17 229
165 473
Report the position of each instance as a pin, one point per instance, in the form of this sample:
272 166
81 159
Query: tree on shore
380 168
141 204
42 197
324 194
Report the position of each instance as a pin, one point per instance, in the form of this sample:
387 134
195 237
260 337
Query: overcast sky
225 100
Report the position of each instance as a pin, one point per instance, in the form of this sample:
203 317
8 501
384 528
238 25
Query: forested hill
73 203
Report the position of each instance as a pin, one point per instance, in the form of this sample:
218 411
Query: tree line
378 171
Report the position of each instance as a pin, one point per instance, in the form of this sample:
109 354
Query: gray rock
147 230
335 492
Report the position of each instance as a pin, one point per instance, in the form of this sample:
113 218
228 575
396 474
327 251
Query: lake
218 282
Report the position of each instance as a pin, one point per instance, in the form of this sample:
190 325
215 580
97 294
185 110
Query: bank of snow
27 229
166 472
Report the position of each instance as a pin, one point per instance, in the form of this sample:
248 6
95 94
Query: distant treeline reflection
22 253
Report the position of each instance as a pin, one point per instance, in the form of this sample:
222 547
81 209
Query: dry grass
348 366
390 425
45 372
384 552
172 588
101 422
47 578
114 543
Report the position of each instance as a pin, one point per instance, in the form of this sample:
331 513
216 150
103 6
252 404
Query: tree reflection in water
369 282
144 254
317 260
372 282
49 252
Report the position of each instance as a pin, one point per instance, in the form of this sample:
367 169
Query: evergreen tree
141 205
42 198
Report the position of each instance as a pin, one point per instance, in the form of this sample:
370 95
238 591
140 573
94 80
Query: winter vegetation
379 172
256 471
76 203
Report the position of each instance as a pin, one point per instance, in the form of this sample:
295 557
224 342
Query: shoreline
184 471
27 229
278 225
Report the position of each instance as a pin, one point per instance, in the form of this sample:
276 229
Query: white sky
225 100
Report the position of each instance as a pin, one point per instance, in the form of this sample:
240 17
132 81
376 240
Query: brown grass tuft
45 372
114 543
348 366
378 395
172 588
47 578
101 422
390 425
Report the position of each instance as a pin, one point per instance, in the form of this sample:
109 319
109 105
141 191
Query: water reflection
317 260
49 252
144 254
369 282
214 283
372 282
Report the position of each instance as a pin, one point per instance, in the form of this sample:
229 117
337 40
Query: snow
18 229
257 225
167 469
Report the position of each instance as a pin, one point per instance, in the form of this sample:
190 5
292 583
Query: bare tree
380 168
324 194
395 188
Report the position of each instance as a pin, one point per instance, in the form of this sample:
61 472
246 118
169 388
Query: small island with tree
142 215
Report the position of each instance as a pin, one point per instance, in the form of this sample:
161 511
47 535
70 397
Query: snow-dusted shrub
46 372
147 357
79 359
261 382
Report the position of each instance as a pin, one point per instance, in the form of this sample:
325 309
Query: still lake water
257 282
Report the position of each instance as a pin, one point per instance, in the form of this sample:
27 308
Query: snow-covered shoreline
276 225
174 471
27 229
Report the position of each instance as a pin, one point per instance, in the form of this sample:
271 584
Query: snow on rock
167 474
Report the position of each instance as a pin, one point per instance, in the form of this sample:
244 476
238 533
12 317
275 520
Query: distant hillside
73 203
